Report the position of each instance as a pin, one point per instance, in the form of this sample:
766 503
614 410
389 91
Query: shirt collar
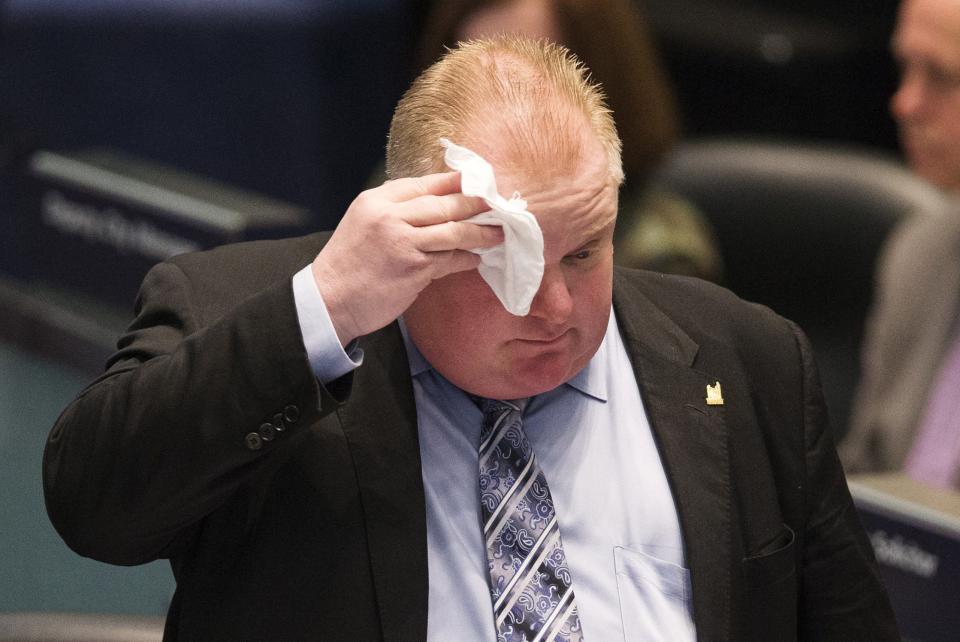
590 381
418 363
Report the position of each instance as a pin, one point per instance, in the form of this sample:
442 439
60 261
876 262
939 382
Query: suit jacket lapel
380 425
692 438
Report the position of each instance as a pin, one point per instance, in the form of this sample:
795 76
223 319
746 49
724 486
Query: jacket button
291 413
267 432
253 441
278 422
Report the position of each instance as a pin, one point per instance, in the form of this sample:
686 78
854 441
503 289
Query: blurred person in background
906 412
657 230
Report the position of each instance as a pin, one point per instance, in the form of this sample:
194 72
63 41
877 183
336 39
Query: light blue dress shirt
618 521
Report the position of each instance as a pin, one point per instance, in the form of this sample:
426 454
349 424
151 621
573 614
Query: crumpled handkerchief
514 268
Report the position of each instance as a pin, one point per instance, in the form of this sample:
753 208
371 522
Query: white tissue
513 269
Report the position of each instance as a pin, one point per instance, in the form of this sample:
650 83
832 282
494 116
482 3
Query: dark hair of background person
611 37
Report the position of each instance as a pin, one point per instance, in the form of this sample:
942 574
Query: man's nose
553 302
908 101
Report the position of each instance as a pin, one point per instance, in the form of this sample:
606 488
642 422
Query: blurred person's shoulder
920 241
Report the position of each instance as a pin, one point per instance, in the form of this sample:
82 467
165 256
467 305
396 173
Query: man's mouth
546 340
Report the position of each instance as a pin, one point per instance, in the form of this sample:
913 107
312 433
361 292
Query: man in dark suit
640 457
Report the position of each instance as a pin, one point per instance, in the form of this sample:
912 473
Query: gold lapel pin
714 396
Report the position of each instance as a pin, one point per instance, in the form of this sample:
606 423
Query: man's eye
582 255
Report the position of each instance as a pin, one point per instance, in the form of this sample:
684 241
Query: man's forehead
574 210
527 122
562 172
586 170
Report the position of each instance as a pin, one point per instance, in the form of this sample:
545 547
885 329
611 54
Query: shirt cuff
328 359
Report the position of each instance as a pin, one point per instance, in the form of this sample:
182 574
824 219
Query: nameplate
915 533
101 218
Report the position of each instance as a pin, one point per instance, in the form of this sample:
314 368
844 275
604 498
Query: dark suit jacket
320 533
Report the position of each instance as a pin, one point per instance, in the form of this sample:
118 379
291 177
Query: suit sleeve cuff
328 359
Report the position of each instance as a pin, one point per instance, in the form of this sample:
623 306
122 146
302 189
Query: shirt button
253 440
291 413
267 432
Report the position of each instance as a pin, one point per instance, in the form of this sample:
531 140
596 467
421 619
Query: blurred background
131 130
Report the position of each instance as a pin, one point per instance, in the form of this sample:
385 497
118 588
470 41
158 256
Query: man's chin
933 167
519 384
935 175
537 377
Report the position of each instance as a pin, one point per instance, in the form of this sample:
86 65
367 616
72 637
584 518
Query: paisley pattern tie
529 580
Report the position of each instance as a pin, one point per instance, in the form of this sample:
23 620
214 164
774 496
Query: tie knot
495 412
497 406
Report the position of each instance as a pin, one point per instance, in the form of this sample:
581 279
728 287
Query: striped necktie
529 580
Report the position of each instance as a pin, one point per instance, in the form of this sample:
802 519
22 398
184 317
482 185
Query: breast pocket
771 581
655 599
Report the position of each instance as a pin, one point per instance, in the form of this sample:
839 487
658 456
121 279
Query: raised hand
391 243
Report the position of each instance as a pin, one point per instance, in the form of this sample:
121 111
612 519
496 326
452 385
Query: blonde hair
533 97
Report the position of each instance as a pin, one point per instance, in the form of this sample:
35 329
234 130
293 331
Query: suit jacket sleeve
841 593
158 442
